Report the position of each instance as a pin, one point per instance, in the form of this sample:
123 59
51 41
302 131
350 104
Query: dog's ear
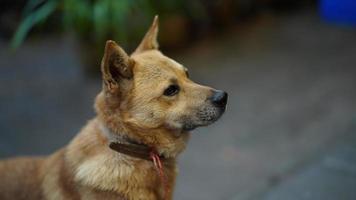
149 42
116 65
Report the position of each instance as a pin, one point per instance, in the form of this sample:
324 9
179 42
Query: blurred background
289 67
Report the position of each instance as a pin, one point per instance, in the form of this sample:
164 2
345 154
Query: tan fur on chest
97 166
119 174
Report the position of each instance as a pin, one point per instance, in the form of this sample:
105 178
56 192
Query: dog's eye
171 90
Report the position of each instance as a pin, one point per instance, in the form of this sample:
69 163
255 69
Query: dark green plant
92 19
98 20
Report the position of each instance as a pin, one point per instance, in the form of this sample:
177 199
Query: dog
145 112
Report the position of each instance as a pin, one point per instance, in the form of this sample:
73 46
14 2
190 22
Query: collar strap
135 150
127 146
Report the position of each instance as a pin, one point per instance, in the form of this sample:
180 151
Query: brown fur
130 105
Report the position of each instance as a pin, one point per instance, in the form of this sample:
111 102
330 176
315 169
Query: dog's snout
219 98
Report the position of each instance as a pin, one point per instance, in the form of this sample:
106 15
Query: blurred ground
291 81
329 178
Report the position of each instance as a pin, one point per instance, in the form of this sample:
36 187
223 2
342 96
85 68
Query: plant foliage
93 20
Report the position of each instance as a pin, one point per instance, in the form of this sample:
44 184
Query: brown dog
145 111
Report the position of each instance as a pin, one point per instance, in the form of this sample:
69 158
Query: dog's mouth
203 117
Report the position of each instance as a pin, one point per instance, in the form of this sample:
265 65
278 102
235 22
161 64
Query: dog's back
20 178
35 178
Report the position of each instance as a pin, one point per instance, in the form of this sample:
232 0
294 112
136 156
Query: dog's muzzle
208 113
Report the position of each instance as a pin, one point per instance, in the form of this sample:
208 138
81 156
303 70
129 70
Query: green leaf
31 20
31 5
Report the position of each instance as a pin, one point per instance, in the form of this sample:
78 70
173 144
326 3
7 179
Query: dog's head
152 97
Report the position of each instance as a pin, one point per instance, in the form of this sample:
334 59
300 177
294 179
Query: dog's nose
219 98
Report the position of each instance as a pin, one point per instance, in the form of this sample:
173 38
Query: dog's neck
163 140
128 146
110 135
